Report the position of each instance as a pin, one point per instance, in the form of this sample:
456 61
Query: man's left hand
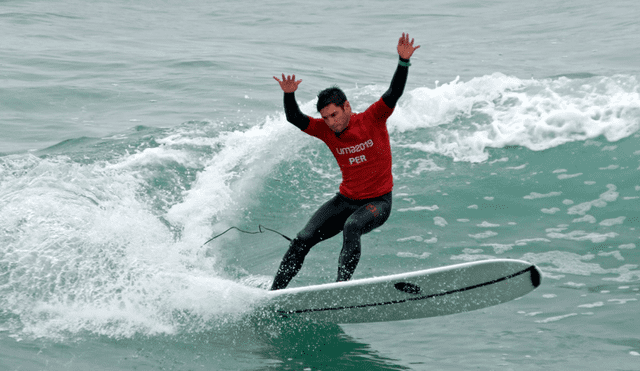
406 48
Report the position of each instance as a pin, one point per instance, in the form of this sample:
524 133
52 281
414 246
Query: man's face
336 117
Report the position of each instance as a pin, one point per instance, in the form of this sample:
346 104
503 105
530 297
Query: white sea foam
579 235
419 166
483 235
503 159
153 156
556 318
231 176
610 167
537 114
535 195
516 167
525 241
419 208
568 176
486 224
613 221
424 255
440 221
472 251
472 257
616 254
622 301
107 259
586 218
411 238
592 305
499 248
103 259
552 210
609 196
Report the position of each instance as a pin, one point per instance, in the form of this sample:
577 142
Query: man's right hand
288 83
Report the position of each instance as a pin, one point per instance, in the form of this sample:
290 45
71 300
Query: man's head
334 108
331 95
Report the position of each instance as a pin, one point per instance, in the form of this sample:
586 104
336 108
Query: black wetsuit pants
340 214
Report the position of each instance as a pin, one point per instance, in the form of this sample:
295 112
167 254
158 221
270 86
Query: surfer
360 144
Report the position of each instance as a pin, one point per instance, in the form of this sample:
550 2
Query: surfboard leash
261 229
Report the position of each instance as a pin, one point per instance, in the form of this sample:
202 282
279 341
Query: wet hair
331 95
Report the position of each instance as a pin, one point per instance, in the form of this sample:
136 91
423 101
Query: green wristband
403 63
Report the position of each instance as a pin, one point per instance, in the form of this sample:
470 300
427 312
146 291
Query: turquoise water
134 132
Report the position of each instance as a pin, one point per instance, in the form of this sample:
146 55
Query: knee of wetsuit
352 230
299 247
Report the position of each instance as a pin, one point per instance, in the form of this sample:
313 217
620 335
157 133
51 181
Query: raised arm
399 80
289 85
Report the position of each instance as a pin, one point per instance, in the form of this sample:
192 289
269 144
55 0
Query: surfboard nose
536 277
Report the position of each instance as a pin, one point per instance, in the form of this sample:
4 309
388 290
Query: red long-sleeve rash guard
363 151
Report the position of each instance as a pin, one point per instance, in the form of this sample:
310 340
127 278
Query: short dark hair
331 95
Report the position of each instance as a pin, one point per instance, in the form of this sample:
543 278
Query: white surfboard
426 293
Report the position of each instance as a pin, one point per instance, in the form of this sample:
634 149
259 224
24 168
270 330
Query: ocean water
132 132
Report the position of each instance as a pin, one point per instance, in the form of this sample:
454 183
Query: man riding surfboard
360 144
